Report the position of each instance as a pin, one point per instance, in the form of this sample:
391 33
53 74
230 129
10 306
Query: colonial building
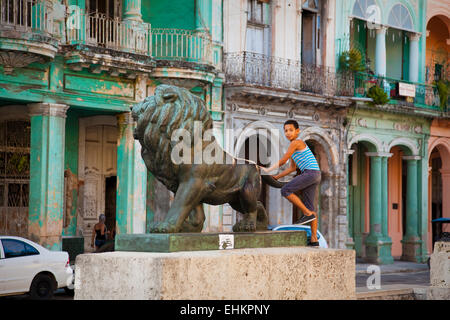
388 143
279 65
69 73
437 68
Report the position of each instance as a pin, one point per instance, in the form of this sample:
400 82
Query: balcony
421 96
103 44
181 45
247 68
109 33
27 32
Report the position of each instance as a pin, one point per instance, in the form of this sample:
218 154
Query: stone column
414 57
411 240
387 255
378 246
380 52
132 10
131 180
47 174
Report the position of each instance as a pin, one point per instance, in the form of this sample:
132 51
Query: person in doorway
99 233
302 158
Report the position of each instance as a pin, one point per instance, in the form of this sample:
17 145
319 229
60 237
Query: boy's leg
301 182
309 194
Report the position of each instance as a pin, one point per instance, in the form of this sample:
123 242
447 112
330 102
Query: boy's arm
292 147
291 168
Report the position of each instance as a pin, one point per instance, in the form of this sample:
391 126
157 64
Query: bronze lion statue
237 183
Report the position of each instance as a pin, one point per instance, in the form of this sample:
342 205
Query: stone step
174 242
394 294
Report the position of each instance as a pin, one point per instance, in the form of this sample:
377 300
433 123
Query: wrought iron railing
426 95
179 44
112 33
26 15
273 72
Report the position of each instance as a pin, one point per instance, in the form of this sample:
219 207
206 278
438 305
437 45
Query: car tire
69 292
42 287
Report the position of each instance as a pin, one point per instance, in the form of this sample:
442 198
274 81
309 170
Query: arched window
400 18
311 4
363 9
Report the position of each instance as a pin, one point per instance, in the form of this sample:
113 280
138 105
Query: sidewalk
399 281
396 267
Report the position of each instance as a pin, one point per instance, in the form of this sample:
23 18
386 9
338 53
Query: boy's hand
264 169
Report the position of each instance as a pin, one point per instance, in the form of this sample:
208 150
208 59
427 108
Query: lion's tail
272 182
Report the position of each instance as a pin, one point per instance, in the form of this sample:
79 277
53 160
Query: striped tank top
305 160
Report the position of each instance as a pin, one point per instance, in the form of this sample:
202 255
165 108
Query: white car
26 267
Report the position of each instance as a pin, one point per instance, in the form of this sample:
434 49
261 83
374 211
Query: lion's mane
157 117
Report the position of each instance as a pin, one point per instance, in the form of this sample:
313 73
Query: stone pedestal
440 272
294 273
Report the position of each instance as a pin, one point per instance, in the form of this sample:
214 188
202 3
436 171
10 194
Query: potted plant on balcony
378 96
442 88
351 61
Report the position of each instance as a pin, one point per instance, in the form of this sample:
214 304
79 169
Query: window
258 27
14 163
255 11
363 9
400 18
15 248
311 4
108 8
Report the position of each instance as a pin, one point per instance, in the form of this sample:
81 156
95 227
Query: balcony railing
26 16
179 44
110 33
267 71
426 95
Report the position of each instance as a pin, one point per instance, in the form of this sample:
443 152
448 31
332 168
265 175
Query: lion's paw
244 226
163 227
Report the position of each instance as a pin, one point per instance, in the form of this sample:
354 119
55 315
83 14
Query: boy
301 157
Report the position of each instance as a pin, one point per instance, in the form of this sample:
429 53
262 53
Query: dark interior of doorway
110 203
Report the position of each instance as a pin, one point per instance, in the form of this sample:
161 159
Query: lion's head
157 117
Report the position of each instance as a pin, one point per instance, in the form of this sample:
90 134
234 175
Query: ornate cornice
48 109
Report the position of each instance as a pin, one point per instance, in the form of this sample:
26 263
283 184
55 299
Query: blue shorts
306 182
99 243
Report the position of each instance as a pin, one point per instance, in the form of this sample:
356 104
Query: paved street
401 279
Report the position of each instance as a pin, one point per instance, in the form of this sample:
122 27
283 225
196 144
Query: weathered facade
69 73
388 144
71 70
279 65
438 155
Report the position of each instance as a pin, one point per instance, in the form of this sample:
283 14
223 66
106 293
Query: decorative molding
125 118
379 154
48 109
414 36
16 59
407 158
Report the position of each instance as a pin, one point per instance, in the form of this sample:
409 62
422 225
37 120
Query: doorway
97 169
110 204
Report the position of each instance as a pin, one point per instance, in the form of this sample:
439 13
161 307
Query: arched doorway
257 148
437 57
97 167
397 184
438 188
435 164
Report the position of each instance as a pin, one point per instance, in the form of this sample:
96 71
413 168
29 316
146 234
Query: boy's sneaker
313 244
305 219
